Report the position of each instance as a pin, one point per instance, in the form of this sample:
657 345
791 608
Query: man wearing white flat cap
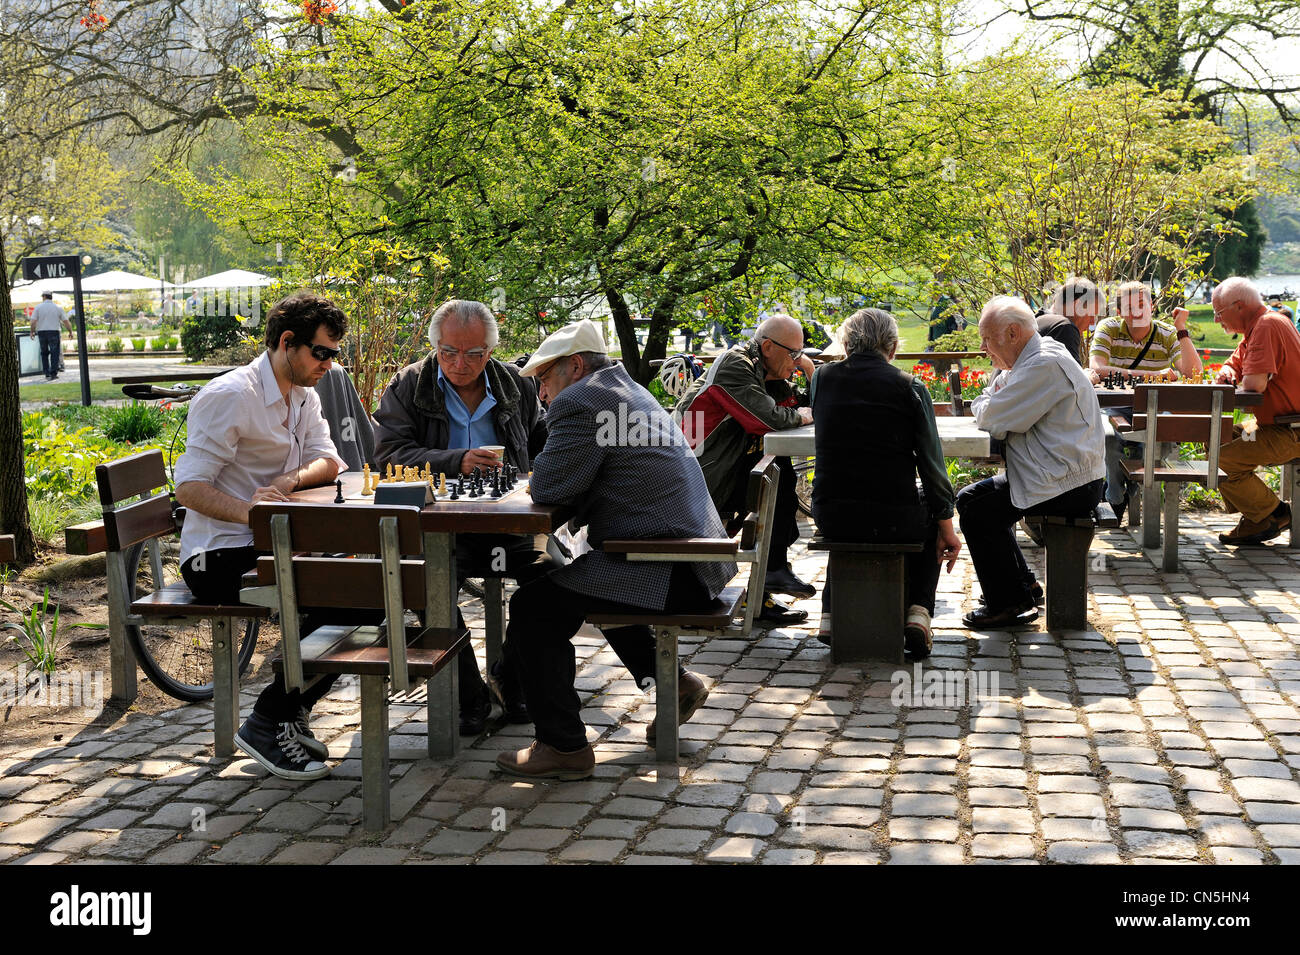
642 482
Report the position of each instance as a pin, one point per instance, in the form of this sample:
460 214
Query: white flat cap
569 340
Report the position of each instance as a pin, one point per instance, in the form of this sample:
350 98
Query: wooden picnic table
1123 398
440 522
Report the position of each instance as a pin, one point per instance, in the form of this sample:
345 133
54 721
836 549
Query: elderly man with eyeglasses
447 409
746 394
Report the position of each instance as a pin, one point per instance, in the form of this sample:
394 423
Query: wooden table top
514 514
1123 398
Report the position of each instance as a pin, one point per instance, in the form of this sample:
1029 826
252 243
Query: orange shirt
1271 346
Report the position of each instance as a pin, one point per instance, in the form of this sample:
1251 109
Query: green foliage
964 339
962 472
135 422
59 463
201 335
138 344
113 344
164 343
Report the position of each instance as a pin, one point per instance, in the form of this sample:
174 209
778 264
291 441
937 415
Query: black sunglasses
321 353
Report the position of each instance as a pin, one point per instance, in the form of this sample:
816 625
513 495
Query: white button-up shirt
243 434
1046 410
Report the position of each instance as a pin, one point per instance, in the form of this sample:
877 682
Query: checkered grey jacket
617 457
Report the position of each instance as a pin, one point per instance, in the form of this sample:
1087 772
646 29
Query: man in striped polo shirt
1133 343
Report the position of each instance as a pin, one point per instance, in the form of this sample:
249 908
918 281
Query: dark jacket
642 483
725 414
412 425
875 434
1063 330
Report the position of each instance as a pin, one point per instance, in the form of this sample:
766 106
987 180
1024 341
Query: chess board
354 495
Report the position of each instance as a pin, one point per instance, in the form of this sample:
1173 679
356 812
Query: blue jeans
49 342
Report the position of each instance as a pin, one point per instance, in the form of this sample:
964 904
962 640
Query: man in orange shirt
1267 361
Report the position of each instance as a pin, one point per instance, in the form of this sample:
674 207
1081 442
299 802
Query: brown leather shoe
1252 532
691 694
540 761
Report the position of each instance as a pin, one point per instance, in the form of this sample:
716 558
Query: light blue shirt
463 429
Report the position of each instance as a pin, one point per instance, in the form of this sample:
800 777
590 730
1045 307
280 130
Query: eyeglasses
795 353
541 379
448 353
321 353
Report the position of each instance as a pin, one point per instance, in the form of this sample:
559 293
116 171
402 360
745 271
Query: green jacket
724 416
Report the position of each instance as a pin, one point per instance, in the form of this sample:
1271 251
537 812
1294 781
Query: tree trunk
626 331
13 484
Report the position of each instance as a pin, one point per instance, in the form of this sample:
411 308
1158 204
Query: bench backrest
339 579
8 548
139 475
1200 414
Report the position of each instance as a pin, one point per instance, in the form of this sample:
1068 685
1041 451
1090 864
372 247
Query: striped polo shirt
1111 341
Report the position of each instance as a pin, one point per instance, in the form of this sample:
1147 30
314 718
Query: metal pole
82 358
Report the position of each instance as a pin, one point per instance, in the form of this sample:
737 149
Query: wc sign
52 267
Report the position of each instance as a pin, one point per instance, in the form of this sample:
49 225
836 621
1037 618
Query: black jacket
412 425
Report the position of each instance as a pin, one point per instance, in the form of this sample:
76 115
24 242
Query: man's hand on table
272 493
1226 376
478 458
805 416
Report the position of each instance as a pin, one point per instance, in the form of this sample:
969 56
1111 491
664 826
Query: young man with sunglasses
445 410
743 396
257 434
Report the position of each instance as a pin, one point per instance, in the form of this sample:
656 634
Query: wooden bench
731 612
1066 541
1200 414
387 653
867 597
146 522
8 549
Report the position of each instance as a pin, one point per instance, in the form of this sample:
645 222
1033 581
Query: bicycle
177 659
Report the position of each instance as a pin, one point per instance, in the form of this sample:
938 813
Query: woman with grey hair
875 435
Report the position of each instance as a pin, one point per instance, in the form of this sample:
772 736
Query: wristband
1183 333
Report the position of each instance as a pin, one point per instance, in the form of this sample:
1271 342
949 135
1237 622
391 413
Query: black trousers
213 576
785 524
493 555
50 352
988 522
545 617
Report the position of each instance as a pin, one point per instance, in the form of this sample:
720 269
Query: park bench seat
175 600
1066 542
731 612
866 598
384 655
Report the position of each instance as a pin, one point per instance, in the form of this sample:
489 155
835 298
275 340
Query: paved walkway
1169 734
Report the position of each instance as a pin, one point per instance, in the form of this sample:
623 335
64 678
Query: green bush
163 343
114 344
203 334
137 344
135 423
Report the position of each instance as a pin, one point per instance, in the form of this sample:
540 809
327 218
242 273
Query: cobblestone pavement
1168 734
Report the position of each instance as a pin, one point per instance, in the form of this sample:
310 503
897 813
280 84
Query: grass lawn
71 391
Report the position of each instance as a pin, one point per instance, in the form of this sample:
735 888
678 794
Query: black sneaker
777 614
314 747
508 694
277 747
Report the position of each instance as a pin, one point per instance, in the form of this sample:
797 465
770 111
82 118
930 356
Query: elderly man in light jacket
1043 406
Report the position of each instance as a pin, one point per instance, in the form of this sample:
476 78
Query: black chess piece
338 496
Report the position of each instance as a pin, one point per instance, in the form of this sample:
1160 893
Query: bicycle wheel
803 481
178 659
